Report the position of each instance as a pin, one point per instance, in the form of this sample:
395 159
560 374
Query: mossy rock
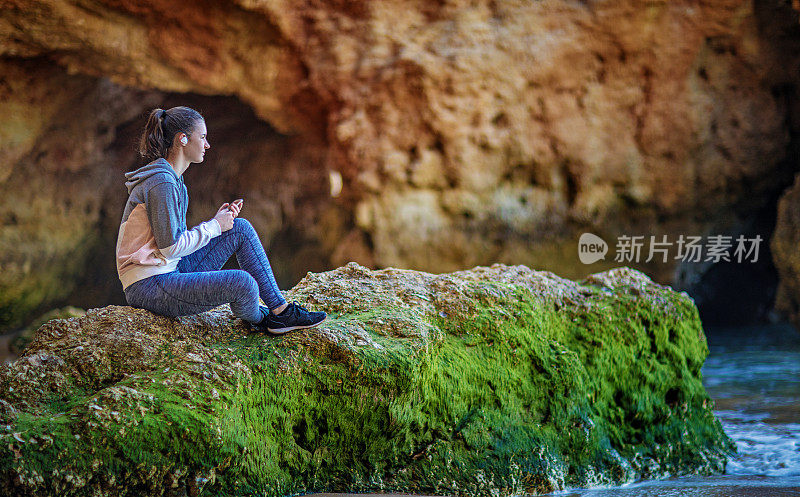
25 336
498 380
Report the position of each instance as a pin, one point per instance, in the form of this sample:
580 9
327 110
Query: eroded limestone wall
465 132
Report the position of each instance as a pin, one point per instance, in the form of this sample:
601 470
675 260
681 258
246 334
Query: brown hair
161 128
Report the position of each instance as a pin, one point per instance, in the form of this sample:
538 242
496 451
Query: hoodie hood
139 175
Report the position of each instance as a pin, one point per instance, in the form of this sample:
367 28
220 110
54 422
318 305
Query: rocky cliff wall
464 132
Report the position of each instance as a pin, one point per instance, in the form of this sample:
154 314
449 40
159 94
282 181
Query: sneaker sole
281 331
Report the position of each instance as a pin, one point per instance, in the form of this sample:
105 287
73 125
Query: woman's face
198 143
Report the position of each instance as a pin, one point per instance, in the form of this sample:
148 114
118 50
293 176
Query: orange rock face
464 133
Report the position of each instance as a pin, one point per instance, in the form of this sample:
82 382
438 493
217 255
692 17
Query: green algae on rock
498 380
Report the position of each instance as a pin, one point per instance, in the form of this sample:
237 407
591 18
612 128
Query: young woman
171 270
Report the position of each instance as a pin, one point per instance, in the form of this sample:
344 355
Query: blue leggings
199 284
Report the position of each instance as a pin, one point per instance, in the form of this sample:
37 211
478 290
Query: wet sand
696 486
371 495
699 486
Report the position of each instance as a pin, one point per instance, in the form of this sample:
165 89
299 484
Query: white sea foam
766 449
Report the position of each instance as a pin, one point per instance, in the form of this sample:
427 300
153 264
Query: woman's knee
244 283
243 225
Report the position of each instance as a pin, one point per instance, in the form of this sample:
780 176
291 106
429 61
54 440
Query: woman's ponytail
162 126
151 146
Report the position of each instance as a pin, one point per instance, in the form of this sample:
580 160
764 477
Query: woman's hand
236 206
225 217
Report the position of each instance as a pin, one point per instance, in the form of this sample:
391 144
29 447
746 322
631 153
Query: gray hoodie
152 234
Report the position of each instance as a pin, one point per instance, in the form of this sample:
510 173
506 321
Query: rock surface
497 380
24 337
464 132
784 244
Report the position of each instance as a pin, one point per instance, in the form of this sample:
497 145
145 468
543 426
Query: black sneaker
294 317
261 325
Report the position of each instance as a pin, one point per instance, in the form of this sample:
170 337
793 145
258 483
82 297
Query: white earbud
184 141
